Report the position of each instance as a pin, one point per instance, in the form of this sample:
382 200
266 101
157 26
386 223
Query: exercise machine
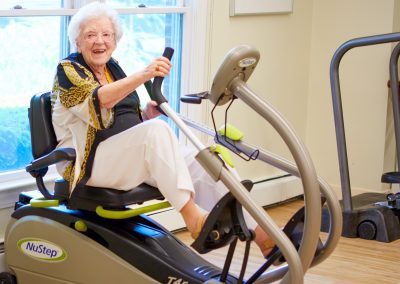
371 216
78 239
91 236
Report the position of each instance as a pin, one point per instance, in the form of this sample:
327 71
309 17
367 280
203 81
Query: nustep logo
246 62
42 250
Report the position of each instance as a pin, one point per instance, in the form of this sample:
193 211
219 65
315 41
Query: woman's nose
99 38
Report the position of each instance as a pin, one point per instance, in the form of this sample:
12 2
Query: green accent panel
231 132
42 202
224 152
80 226
111 214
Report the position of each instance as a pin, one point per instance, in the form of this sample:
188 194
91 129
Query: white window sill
13 183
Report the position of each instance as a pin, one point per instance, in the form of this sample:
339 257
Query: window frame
195 40
71 12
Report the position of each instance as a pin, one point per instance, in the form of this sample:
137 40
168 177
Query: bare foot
199 225
264 242
194 217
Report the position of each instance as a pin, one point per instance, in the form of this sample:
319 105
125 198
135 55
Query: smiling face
96 41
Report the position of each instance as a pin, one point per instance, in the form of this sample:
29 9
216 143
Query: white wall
281 76
396 17
363 77
293 74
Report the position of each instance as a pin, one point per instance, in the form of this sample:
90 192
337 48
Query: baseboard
360 190
271 191
2 258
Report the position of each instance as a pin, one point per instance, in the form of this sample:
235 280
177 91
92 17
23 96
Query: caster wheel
367 230
7 278
391 199
390 196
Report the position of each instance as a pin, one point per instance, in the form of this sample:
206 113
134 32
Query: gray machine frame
235 78
366 215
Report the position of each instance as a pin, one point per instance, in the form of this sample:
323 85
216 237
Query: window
33 36
142 3
29 56
30 4
146 41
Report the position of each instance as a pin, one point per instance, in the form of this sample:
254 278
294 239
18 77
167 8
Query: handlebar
156 94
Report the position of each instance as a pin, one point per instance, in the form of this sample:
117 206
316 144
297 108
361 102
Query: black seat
45 154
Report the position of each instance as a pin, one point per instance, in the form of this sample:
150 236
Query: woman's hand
159 67
111 94
150 111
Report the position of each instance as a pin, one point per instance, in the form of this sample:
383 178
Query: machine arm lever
194 98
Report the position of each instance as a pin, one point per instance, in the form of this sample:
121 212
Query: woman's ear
78 49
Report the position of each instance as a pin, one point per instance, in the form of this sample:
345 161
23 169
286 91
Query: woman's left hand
150 111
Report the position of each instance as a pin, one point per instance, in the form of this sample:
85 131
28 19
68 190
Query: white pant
149 152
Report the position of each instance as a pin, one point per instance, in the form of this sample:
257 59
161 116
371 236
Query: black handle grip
156 94
194 98
191 99
168 52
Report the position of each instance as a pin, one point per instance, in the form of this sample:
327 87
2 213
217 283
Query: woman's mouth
99 51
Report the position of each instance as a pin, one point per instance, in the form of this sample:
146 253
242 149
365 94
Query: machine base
59 245
370 219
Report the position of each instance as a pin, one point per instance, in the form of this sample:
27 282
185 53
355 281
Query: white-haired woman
96 111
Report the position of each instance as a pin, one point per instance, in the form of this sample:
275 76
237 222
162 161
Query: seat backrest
44 141
43 138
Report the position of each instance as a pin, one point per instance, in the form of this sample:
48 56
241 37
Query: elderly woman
96 111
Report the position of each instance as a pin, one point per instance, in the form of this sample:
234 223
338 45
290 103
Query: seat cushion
89 197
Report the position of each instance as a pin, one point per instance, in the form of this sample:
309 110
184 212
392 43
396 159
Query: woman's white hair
91 11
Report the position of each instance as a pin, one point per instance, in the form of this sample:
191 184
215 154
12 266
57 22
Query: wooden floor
354 261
